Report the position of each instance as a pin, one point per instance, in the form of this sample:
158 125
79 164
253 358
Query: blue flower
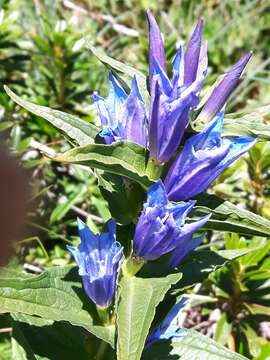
122 115
224 89
169 327
203 158
171 100
161 227
98 258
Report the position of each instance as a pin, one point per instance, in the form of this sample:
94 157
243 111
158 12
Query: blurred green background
44 59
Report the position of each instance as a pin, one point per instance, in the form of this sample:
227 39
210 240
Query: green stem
104 315
154 169
132 265
101 351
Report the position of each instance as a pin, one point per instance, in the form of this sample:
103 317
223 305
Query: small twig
5 330
35 238
43 148
231 343
203 324
53 233
32 268
108 18
81 212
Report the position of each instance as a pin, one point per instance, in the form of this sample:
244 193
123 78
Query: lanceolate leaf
190 345
252 124
56 294
122 68
201 263
229 217
223 329
121 158
76 129
246 127
138 300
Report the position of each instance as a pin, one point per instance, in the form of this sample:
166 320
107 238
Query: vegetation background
43 58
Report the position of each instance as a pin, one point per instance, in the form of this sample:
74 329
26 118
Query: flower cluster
162 227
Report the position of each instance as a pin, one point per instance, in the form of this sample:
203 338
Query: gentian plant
133 277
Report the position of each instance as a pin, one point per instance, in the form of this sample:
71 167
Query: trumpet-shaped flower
98 258
171 100
161 227
122 115
224 89
169 327
203 158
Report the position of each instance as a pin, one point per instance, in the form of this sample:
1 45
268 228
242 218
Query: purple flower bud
156 46
224 89
98 258
161 227
171 100
203 158
192 54
123 116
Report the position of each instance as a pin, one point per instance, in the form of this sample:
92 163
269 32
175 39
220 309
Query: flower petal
192 54
156 46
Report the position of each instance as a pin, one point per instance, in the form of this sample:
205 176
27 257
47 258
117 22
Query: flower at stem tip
223 90
204 157
122 115
162 227
171 100
98 257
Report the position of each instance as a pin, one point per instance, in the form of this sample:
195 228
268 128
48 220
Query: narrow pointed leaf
251 124
76 129
229 217
138 300
121 158
201 263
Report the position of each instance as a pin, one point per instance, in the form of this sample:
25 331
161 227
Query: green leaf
76 129
237 253
190 345
223 330
254 341
4 125
138 300
258 309
229 217
265 351
31 336
124 197
251 124
122 158
56 294
61 209
248 124
122 68
200 264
